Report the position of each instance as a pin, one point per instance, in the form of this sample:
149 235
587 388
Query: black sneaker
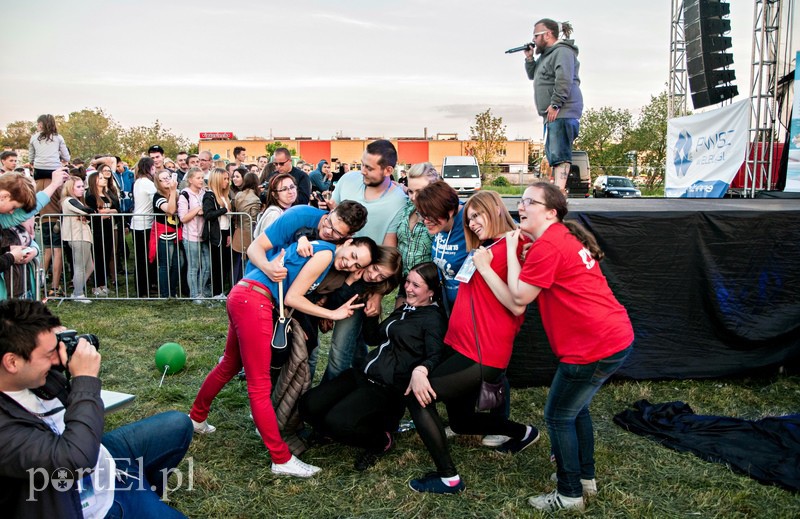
367 458
514 446
433 483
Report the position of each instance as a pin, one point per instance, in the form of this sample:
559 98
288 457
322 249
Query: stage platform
712 286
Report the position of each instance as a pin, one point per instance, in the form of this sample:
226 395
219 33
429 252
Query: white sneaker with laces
589 485
81 299
203 427
554 501
494 440
294 467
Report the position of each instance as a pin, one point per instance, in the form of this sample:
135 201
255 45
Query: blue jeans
569 424
167 255
346 345
160 441
561 133
198 269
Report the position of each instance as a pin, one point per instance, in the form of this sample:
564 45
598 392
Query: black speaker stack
705 24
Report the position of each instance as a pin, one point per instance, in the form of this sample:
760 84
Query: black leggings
354 411
457 382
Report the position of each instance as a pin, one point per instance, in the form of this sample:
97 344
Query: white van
462 173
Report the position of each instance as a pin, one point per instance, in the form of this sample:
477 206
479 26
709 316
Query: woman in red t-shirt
589 332
484 307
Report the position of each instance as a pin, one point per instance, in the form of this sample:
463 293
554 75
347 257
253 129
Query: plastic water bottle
405 426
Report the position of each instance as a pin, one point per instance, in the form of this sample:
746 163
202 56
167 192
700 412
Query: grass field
231 468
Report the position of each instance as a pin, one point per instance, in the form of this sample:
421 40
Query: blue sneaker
514 446
433 483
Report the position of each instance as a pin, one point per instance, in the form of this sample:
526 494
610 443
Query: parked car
607 186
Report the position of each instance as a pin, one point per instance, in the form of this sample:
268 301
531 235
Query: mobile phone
174 177
319 196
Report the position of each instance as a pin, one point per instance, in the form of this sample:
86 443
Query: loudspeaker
706 49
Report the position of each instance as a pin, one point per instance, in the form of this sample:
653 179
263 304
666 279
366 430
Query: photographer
55 460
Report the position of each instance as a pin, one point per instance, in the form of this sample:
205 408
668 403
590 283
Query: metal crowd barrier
126 272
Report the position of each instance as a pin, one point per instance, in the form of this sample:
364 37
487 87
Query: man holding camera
556 92
55 460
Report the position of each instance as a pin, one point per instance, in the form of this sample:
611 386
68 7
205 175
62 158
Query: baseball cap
155 149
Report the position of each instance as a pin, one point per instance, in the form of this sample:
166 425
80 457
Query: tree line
90 132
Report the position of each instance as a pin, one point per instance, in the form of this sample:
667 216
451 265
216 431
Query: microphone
519 49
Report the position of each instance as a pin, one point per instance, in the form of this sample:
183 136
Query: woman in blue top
250 304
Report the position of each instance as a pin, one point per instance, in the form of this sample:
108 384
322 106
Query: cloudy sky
316 68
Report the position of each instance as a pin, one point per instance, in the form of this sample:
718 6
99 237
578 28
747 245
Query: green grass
231 477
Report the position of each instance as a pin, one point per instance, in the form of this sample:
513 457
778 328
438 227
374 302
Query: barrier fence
122 262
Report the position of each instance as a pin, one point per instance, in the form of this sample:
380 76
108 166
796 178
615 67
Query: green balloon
171 356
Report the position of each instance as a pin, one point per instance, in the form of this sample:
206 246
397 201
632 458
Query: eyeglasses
526 202
287 188
280 164
329 224
427 218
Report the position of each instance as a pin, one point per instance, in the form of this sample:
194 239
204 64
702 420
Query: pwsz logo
682 149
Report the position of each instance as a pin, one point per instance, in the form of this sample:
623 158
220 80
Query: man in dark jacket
283 164
55 460
556 91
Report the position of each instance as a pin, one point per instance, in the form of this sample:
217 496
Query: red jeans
248 345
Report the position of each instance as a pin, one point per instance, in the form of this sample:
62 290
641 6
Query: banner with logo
704 151
793 170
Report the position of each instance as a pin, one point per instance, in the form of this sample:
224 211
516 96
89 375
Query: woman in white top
217 229
281 196
47 149
143 190
76 231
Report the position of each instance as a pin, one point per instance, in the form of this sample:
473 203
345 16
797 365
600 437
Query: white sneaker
494 440
81 299
198 301
450 433
220 297
100 292
589 485
295 467
203 427
554 501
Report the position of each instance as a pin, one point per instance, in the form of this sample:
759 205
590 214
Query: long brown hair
555 199
491 206
48 127
274 182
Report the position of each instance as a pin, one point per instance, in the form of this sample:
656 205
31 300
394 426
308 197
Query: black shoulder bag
492 394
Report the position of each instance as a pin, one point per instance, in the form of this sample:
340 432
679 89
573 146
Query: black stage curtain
710 293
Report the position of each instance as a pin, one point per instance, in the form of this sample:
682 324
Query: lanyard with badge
467 269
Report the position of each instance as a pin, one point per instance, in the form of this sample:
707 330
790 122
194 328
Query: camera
70 339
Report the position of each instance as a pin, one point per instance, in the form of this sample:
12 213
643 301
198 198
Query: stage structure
772 50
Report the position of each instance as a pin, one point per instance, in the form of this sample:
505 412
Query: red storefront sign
216 135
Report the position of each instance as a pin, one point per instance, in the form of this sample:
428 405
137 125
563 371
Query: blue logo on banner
682 148
706 189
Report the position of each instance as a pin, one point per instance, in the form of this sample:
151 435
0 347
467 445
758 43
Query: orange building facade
409 151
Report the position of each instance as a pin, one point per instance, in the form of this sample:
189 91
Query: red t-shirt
583 320
496 325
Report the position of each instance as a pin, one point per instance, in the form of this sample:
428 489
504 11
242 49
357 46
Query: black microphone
519 49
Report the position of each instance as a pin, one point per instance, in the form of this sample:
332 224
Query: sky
319 68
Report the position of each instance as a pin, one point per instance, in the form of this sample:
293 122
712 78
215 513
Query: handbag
491 394
280 334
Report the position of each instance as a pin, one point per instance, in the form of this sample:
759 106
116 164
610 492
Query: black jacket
211 213
26 442
410 337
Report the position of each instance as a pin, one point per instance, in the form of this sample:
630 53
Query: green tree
135 141
489 134
18 135
271 147
649 138
89 133
603 135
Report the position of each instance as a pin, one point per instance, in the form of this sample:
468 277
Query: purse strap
280 301
475 330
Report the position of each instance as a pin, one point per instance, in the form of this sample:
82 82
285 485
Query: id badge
467 269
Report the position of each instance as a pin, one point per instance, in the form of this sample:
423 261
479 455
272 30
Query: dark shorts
51 235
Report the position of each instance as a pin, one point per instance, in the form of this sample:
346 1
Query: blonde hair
69 187
219 187
423 169
491 206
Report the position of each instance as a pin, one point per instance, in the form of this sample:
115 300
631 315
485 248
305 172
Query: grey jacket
555 80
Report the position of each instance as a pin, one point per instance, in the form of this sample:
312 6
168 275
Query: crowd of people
331 249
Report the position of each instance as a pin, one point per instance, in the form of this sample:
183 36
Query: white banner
704 151
793 169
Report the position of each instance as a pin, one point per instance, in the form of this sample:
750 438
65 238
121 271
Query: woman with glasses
281 195
246 201
166 234
480 336
588 330
217 229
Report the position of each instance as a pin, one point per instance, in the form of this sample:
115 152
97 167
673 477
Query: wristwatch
555 107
